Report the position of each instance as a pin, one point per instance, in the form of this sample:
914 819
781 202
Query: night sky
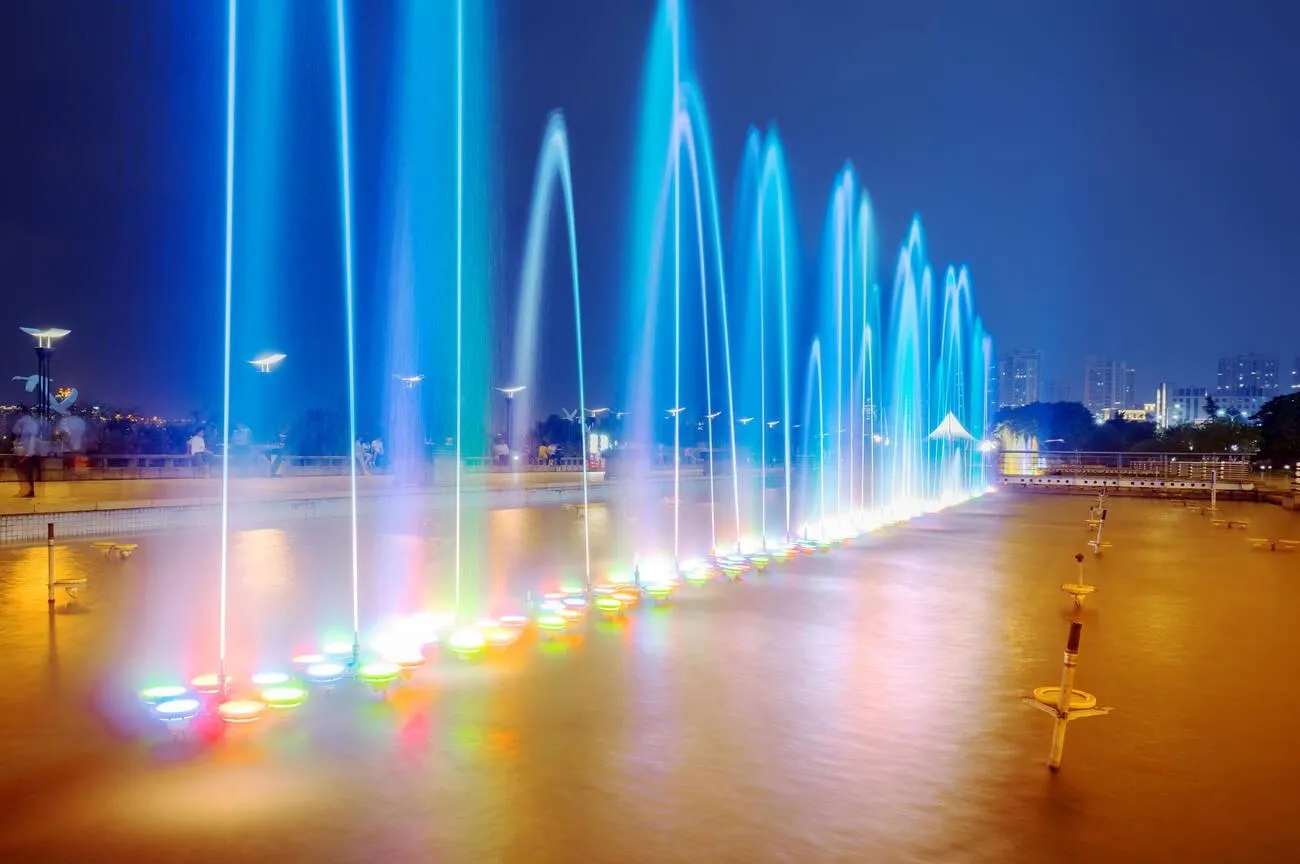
1119 175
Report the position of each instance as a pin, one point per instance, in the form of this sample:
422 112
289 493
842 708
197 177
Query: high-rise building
1057 391
1178 405
1019 377
1108 384
1246 382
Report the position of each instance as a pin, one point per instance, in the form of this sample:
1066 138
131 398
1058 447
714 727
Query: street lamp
510 393
266 362
409 380
44 351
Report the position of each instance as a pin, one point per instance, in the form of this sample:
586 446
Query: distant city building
1175 406
1246 382
1107 384
1019 375
1057 391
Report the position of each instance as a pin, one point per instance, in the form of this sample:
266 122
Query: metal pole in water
1214 490
1063 698
49 546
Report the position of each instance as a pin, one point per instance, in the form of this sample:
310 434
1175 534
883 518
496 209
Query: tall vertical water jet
345 184
231 56
673 137
815 367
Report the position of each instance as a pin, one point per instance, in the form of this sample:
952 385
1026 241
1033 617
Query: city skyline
1021 216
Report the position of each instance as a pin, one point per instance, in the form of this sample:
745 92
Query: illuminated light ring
513 620
338 649
555 595
502 636
379 674
553 623
284 697
575 602
571 616
207 684
609 606
551 605
239 711
325 673
626 598
177 710
270 679
308 659
162 693
660 590
467 641
605 589
407 661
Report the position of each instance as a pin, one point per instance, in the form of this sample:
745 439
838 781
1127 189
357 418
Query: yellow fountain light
207 684
466 641
240 711
285 697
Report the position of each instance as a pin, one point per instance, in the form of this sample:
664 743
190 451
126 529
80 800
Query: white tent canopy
951 430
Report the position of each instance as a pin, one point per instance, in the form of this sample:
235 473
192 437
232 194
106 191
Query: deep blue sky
1119 175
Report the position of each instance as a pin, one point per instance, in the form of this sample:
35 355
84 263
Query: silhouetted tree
1279 429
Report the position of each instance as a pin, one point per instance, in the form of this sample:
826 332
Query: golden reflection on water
857 706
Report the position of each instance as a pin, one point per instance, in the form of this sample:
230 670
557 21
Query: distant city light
511 391
409 380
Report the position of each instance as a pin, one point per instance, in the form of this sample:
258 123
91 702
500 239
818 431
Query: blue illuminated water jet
552 168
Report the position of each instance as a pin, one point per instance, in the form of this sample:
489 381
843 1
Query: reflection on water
854 707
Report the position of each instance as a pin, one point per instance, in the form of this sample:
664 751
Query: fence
163 466
1227 467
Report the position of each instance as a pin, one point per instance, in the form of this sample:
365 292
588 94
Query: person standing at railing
198 450
26 432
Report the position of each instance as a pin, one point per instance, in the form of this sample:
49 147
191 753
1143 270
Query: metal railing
1227 467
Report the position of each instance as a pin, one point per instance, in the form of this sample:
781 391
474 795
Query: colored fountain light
207 684
379 674
338 648
407 659
552 623
162 693
513 620
660 590
609 605
308 659
284 697
576 602
626 598
572 616
177 710
240 711
325 673
466 641
555 596
270 679
502 636
551 605
605 589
